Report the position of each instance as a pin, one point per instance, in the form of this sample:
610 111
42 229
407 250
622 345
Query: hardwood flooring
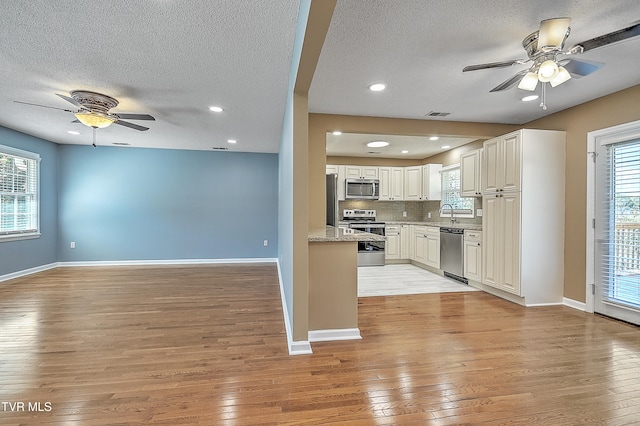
207 345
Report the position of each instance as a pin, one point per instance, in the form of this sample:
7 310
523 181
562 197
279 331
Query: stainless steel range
370 253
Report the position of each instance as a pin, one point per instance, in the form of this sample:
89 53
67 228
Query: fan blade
43 106
603 40
553 33
579 69
503 64
131 125
136 116
70 100
508 84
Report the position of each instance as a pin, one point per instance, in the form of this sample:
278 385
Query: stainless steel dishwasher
452 253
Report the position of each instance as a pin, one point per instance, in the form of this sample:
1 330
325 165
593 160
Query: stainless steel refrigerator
332 200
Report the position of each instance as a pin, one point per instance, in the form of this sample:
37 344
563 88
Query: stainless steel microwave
362 189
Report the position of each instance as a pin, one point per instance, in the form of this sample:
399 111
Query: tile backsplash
417 211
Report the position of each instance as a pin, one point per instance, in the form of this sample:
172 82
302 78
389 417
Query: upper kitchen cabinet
391 183
361 172
431 182
501 162
470 174
413 183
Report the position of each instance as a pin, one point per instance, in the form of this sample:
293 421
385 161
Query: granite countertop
340 234
470 226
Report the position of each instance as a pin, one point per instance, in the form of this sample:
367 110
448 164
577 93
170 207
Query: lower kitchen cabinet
473 255
405 242
392 247
426 245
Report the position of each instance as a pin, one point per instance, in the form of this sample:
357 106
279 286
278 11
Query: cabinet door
510 204
353 172
473 260
405 242
420 244
397 183
511 146
392 247
384 174
431 182
491 240
369 172
492 166
331 169
433 251
470 174
413 183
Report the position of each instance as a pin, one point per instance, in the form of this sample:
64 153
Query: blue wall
153 204
25 254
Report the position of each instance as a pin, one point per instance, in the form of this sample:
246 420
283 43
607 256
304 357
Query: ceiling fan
551 64
94 111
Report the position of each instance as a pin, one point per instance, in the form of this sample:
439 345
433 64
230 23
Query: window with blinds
462 207
621 259
19 197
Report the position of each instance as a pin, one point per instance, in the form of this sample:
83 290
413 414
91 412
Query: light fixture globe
95 119
529 82
548 70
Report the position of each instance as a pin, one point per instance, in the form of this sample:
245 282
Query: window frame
459 213
28 156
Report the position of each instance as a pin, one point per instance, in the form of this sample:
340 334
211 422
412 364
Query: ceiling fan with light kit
94 111
552 64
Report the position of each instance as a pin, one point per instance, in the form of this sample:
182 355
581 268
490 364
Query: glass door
617 231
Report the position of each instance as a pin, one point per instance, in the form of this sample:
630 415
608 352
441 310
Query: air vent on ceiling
436 114
374 152
122 143
220 148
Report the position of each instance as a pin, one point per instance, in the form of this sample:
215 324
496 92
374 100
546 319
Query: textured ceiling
168 58
174 58
419 48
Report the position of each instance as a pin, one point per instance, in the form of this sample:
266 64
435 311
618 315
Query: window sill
18 237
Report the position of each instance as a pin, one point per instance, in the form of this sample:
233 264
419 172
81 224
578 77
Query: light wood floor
206 345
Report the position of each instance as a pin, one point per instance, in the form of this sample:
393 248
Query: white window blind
462 207
621 258
19 197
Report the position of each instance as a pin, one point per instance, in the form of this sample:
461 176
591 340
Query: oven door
370 253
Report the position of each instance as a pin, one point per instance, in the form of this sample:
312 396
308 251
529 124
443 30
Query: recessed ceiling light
377 144
336 133
434 138
377 87
445 147
529 98
73 132
232 141
404 151
215 109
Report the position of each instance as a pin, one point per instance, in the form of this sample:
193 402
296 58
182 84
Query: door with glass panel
617 227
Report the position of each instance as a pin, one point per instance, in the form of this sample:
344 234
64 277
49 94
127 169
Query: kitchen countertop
340 234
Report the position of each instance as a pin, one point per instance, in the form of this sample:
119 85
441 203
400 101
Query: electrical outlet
266 243
72 244
479 212
404 214
429 215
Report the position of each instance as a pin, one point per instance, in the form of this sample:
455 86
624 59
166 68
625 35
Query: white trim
302 347
165 262
16 152
574 304
334 334
29 271
533 305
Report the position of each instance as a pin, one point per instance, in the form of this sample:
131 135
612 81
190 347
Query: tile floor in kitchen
390 280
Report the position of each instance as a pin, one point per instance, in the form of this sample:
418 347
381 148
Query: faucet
450 208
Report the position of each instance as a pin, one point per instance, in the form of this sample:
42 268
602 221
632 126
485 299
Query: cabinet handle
478 244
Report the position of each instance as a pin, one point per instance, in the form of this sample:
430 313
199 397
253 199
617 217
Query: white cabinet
391 183
405 242
413 183
470 174
426 245
523 215
431 182
392 245
433 247
361 172
472 255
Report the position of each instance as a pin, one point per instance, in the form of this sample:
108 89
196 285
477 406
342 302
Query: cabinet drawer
432 230
473 235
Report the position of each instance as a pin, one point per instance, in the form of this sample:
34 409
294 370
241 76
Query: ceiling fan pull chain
94 137
543 103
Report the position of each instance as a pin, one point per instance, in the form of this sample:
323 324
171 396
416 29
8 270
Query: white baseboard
334 334
165 262
301 347
29 271
581 306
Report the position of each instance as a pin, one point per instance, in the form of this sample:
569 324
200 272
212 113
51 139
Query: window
19 195
462 207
